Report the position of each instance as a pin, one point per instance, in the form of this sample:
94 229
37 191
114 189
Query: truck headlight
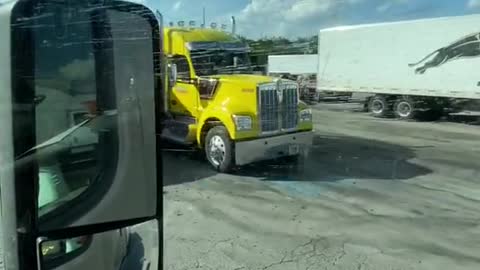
306 115
243 122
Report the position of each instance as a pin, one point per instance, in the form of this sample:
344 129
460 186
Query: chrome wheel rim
404 109
377 106
217 149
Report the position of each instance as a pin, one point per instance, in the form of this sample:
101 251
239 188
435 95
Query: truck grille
278 106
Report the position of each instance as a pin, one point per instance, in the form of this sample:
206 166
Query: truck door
79 159
184 98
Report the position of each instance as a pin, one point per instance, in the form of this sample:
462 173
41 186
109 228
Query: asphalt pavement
373 194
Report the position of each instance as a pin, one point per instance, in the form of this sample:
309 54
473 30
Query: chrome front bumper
273 147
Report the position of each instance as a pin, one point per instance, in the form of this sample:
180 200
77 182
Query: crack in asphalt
282 261
216 243
447 192
309 255
361 264
319 255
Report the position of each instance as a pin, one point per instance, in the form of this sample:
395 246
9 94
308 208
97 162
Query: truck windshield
220 61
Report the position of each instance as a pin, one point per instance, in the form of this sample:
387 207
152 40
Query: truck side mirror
80 154
172 74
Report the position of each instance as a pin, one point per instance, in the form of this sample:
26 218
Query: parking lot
372 194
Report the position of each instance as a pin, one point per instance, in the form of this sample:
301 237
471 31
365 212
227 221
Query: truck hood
237 93
243 79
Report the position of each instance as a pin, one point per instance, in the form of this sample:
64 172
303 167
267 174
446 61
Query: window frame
175 59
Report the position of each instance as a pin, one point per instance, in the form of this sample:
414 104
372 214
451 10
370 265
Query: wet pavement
373 194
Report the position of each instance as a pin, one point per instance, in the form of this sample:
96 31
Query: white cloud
473 4
289 9
287 17
307 8
177 6
297 18
389 5
384 7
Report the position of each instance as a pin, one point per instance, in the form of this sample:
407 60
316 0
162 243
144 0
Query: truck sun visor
209 45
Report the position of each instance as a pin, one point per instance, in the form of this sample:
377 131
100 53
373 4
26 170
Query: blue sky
296 18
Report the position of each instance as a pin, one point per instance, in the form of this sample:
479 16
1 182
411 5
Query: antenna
163 67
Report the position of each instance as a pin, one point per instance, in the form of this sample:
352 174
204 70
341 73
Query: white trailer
411 68
303 68
295 64
298 67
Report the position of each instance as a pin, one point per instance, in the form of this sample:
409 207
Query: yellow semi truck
214 102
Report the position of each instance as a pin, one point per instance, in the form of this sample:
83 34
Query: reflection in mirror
65 78
127 248
56 250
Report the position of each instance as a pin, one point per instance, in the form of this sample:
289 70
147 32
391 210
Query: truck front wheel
219 149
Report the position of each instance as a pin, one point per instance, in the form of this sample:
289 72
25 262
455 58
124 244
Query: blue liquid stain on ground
295 187
305 189
298 189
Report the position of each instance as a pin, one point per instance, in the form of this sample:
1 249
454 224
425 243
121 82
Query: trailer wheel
404 108
379 106
219 149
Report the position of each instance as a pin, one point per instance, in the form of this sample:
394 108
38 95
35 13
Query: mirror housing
172 74
78 172
93 201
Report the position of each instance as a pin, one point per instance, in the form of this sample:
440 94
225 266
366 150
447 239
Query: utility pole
204 21
234 26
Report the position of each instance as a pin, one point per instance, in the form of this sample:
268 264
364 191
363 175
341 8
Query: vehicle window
219 61
328 135
183 68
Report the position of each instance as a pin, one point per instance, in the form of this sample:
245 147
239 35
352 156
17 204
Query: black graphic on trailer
468 46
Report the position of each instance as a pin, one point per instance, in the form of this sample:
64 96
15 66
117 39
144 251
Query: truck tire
408 108
404 108
219 149
379 106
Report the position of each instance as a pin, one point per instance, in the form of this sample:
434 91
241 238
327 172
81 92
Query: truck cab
215 103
